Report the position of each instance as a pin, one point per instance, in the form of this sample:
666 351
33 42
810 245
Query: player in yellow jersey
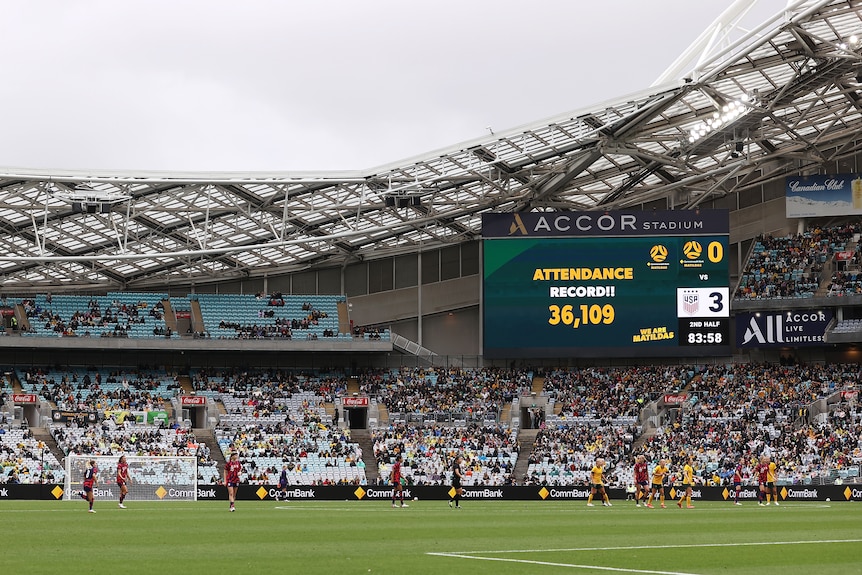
771 473
597 484
659 473
687 482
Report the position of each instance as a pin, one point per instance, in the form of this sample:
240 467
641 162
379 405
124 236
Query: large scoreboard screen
625 284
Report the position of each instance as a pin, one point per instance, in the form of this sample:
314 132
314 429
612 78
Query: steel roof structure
740 108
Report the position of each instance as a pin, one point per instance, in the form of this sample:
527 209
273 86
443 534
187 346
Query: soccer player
457 476
597 484
659 473
89 483
761 470
688 482
123 479
282 484
771 473
737 480
641 480
232 469
395 477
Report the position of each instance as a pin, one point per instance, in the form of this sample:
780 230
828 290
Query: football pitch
485 537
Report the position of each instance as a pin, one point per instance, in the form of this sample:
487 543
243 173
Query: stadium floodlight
728 113
168 478
87 199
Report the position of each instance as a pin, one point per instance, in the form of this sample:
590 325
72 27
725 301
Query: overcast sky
280 85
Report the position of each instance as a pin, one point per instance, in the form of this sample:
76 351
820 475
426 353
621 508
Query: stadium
674 274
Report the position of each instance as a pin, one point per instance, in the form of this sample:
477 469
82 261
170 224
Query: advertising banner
383 493
815 196
605 223
782 328
25 398
354 401
64 415
193 400
674 398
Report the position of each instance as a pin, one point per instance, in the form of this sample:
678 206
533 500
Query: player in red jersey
641 480
232 469
396 478
737 480
89 483
123 479
762 469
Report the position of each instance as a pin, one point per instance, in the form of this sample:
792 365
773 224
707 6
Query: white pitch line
571 565
681 546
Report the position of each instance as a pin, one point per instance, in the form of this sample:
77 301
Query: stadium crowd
790 266
489 452
277 420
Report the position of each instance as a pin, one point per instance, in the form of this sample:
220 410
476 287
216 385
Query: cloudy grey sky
279 85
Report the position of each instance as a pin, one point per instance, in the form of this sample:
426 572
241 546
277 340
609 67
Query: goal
152 478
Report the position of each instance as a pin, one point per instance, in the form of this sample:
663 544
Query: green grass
361 537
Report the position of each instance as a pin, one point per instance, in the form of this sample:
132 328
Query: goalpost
171 478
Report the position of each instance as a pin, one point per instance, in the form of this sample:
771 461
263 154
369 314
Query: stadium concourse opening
355 411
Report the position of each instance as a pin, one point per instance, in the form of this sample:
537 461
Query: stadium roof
737 110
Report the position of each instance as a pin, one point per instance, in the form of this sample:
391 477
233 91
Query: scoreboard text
614 283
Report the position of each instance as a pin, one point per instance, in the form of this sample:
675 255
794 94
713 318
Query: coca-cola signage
675 398
193 400
355 402
27 398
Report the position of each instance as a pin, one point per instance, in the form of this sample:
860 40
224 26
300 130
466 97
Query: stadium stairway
363 438
21 316
526 441
186 384
382 415
352 385
825 278
538 385
506 414
170 316
15 382
343 317
208 437
42 434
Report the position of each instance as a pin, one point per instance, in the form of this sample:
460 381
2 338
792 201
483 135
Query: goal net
171 478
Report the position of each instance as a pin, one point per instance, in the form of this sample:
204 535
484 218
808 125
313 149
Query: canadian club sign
781 329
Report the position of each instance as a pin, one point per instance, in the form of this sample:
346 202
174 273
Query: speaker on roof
77 207
390 201
92 208
403 202
417 200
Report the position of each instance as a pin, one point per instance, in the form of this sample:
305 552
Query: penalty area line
553 564
636 547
